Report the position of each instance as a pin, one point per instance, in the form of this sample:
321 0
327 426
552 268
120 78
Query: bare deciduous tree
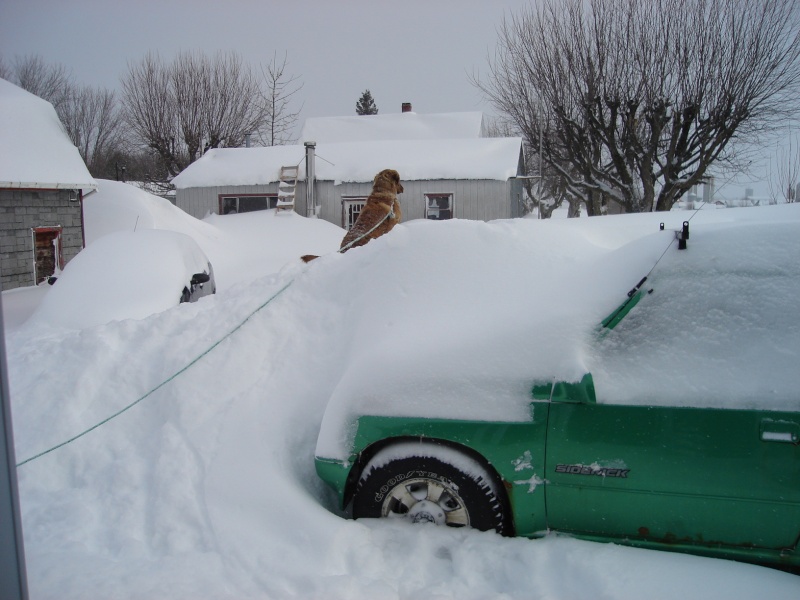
94 123
150 112
787 171
636 100
51 82
184 109
279 91
546 190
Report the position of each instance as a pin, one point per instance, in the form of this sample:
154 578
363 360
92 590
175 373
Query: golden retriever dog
380 213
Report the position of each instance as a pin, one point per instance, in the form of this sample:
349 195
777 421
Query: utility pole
13 578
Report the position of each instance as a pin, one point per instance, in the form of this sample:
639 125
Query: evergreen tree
366 105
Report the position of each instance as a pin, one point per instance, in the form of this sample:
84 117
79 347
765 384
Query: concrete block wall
23 210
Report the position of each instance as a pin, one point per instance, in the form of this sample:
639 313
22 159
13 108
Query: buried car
128 275
628 452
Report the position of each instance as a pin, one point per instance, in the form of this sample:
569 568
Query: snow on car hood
123 275
456 319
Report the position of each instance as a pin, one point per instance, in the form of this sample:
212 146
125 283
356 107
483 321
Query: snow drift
205 488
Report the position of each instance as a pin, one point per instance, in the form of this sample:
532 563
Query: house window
351 208
48 258
229 205
438 206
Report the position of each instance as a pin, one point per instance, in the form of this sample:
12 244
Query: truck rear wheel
429 483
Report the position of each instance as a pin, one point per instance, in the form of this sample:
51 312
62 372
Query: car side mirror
199 278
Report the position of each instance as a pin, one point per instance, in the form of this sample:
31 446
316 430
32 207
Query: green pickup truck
703 480
715 480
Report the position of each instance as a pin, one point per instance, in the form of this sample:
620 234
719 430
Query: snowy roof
402 126
35 150
415 160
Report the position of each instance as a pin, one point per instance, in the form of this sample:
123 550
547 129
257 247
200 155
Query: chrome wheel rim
426 501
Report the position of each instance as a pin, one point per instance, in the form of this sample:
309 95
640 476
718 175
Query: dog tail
307 258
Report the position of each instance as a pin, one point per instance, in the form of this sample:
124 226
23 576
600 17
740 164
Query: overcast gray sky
403 51
418 51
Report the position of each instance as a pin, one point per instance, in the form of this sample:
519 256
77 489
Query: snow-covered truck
699 475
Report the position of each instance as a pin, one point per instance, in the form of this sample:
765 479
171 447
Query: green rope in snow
636 294
188 366
160 385
211 348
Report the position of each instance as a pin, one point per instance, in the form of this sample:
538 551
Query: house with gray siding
448 170
42 183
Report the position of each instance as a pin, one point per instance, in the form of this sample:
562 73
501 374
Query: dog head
388 180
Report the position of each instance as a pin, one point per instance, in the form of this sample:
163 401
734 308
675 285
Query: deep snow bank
119 206
206 488
457 319
241 247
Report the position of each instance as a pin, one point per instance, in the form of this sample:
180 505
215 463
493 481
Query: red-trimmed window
48 255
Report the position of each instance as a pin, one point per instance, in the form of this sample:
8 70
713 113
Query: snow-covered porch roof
35 150
415 160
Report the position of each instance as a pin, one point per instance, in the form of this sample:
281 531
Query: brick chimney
406 107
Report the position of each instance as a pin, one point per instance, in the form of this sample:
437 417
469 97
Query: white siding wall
477 200
199 202
481 200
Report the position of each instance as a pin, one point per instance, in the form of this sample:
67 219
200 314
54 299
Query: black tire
425 482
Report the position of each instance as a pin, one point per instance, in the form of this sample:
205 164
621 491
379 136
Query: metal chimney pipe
311 200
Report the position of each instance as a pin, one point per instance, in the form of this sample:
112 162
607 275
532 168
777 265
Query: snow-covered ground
205 488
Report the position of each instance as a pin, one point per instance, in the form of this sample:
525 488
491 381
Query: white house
447 168
42 182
